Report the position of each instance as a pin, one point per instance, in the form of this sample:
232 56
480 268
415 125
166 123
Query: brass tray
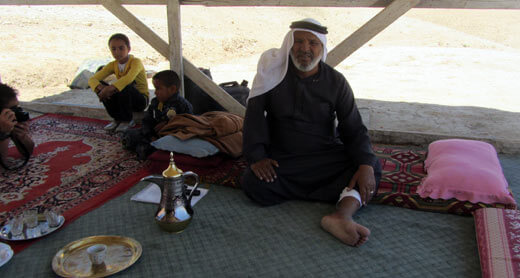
72 260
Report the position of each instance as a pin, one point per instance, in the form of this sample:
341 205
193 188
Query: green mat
232 237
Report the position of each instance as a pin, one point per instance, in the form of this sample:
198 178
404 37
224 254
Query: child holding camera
129 93
13 124
165 105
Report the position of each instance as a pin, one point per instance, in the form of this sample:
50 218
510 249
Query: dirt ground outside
434 56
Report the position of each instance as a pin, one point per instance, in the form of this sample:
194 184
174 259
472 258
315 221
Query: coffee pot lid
172 171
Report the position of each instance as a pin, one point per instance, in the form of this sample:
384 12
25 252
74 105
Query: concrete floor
388 122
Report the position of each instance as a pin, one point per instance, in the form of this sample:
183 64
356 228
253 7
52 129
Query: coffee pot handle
187 174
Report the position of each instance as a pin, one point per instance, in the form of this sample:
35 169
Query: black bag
238 92
202 102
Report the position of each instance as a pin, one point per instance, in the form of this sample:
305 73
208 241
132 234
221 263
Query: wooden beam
173 11
369 30
445 4
213 90
114 6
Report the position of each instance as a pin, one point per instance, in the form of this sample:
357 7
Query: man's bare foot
348 231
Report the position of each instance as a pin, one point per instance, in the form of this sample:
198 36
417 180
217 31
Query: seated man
13 125
291 139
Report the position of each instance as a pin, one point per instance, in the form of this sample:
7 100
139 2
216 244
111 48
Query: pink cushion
466 170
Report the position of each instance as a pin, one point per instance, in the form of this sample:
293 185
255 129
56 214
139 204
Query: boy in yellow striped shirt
129 93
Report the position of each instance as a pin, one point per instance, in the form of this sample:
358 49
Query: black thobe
294 124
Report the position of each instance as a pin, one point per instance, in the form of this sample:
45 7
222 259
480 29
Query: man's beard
308 67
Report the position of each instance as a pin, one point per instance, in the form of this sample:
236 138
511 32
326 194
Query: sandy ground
447 57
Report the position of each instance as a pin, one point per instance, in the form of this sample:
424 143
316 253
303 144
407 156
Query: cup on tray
30 218
97 254
53 217
16 225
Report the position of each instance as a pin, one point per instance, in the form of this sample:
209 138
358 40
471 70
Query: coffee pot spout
157 179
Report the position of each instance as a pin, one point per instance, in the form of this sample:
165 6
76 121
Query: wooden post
173 11
369 30
213 90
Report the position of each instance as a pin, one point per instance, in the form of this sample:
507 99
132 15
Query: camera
21 116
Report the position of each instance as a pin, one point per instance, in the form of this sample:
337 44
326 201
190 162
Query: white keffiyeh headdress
273 63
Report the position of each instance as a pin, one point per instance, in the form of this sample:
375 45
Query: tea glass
17 225
30 217
53 217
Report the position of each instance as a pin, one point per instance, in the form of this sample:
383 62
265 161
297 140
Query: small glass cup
30 217
16 225
97 253
53 217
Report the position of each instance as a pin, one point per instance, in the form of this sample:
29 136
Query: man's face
307 51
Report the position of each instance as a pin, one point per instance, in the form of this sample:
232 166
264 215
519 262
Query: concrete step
388 122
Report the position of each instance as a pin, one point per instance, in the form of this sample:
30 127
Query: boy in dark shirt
165 105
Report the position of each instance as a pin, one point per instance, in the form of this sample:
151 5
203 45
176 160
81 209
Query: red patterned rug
498 241
76 166
219 169
403 171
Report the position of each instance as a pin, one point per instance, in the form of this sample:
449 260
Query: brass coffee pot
174 212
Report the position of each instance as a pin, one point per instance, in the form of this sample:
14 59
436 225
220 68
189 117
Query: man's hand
7 120
264 170
366 181
106 92
21 129
21 132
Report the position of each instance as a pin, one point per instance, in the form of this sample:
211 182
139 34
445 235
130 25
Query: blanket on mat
222 129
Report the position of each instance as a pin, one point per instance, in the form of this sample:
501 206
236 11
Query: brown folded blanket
222 129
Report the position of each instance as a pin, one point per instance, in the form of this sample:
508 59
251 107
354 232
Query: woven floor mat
498 238
230 236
